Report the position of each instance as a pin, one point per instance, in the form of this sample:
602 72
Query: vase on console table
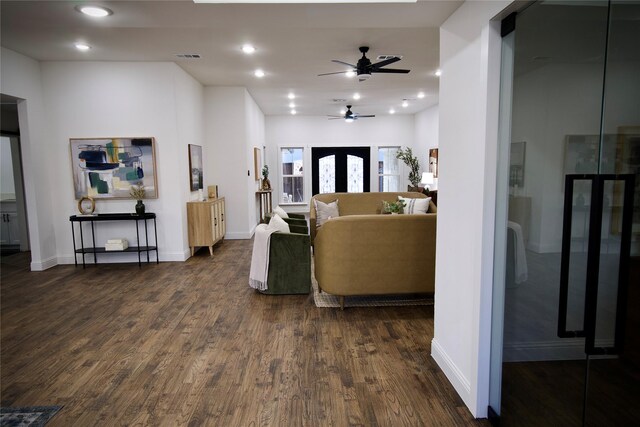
140 207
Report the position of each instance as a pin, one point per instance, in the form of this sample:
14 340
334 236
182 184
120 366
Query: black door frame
341 154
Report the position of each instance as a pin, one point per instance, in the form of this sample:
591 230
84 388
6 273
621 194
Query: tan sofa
363 252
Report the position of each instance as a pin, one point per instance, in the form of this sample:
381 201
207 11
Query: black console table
114 217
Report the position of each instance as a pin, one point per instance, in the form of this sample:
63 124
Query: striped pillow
415 206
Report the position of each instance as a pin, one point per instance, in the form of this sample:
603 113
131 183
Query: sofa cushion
278 224
415 206
278 210
325 211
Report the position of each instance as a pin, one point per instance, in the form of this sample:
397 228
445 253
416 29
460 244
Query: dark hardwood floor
191 344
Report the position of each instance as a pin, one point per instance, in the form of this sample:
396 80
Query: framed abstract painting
195 167
106 168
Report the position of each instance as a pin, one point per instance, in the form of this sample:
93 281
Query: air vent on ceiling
188 55
385 57
339 100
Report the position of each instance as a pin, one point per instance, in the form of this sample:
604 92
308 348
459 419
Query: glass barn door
569 282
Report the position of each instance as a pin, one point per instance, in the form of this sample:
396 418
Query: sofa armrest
289 264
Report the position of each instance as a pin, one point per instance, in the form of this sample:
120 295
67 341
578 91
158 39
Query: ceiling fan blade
385 62
343 63
336 118
339 117
391 70
367 115
337 72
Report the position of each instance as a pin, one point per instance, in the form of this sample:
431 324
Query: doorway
340 169
14 235
565 335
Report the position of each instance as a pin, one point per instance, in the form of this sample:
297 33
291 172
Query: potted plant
394 208
138 192
266 184
410 160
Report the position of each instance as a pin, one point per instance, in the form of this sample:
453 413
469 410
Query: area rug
32 416
323 299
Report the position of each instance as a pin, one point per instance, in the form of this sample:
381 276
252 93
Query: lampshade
427 178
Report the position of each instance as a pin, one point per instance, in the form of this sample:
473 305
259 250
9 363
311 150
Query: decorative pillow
278 224
325 211
278 210
415 206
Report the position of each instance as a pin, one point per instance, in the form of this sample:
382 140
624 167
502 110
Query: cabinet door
5 233
14 228
223 221
214 222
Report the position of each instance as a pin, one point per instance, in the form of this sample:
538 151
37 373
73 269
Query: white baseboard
240 235
455 376
44 264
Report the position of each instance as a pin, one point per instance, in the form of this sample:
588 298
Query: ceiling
294 43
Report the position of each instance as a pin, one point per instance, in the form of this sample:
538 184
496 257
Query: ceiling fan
349 116
365 68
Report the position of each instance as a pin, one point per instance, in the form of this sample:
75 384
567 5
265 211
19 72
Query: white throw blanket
520 257
260 258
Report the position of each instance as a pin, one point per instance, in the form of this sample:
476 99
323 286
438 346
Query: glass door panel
613 391
327 171
556 110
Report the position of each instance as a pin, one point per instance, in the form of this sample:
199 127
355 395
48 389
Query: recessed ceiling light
82 47
405 103
258 73
438 73
291 96
292 105
392 111
356 96
343 111
94 11
294 112
248 49
420 95
350 73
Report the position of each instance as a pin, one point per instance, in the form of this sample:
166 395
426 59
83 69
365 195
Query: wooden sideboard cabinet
206 223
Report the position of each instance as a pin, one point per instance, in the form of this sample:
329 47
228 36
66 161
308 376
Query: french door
566 331
340 169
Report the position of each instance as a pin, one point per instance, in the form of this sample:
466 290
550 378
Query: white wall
123 99
468 118
317 131
21 78
426 135
233 126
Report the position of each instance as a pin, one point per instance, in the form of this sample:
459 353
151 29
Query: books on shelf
116 245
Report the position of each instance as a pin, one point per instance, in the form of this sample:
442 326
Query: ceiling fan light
348 119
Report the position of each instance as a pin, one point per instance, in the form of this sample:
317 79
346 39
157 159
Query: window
388 169
292 175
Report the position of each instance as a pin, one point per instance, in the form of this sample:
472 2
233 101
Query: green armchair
289 264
